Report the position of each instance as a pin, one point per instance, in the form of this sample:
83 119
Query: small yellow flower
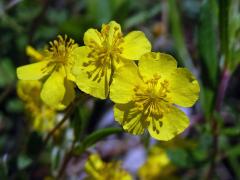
146 97
98 170
55 67
41 116
157 166
103 53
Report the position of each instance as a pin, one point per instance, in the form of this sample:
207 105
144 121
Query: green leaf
208 52
95 137
224 28
178 35
234 36
207 42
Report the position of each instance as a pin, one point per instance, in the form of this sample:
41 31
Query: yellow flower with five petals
54 66
103 53
145 97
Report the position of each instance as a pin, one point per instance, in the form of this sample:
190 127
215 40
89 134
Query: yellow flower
103 53
157 166
41 116
146 97
98 170
55 67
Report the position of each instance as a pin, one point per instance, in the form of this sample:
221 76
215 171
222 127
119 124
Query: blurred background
203 35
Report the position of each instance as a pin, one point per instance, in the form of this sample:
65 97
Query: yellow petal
53 89
170 125
69 94
124 80
92 35
89 77
135 45
129 117
33 53
156 63
72 59
184 88
34 71
112 30
70 76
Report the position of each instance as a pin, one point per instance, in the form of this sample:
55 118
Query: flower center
60 50
152 99
105 55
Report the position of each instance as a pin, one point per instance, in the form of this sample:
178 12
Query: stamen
60 50
105 55
152 99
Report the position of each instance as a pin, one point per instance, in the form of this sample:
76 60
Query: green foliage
224 28
207 40
178 36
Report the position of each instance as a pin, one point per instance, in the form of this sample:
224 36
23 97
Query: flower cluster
146 95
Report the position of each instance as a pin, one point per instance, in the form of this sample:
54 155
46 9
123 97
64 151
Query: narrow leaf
95 137
178 35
